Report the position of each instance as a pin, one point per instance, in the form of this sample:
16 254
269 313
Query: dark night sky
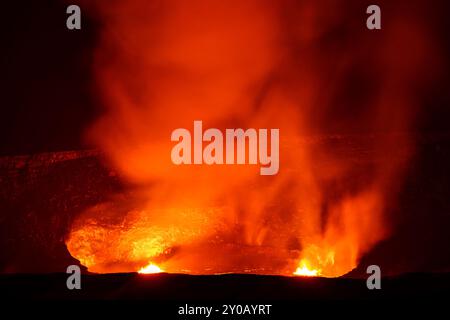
46 84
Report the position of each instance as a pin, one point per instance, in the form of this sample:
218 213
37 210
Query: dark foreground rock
221 288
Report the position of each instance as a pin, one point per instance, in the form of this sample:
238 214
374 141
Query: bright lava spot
151 268
305 271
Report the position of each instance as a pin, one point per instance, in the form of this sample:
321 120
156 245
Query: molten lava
305 270
150 268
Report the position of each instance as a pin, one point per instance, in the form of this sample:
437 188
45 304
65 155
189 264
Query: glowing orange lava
305 271
150 268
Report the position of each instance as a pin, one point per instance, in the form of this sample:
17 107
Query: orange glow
160 65
150 268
